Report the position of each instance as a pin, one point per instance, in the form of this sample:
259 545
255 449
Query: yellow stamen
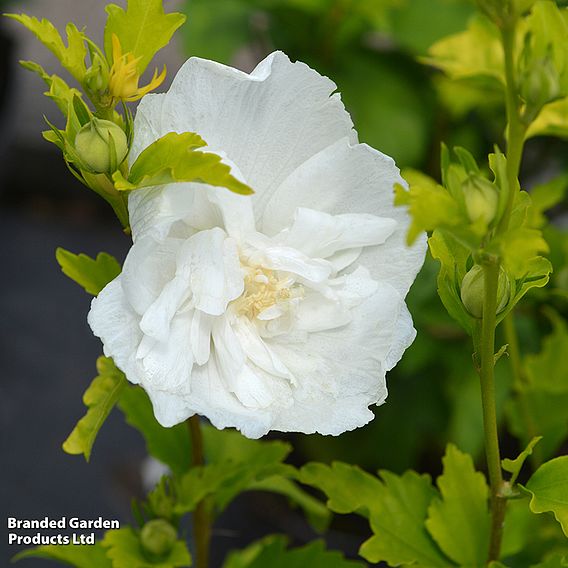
124 76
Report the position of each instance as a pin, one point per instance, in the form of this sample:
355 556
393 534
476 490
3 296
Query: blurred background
372 50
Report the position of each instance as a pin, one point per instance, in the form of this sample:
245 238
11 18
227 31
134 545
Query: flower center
263 288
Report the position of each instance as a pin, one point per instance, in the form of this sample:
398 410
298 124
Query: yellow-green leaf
549 489
175 158
93 274
99 398
459 521
142 29
72 56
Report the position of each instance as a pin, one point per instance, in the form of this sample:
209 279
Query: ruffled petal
348 178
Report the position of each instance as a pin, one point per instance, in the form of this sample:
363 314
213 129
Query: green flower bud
158 537
540 84
97 75
101 146
481 199
473 291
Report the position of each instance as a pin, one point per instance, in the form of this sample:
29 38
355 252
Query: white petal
147 268
209 262
351 178
201 326
113 320
322 235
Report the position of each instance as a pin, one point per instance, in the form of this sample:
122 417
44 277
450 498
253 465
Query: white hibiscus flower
280 311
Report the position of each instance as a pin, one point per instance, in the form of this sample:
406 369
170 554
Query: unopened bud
481 199
101 145
540 83
97 75
158 537
473 291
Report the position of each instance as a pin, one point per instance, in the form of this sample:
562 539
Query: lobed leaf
548 487
125 550
69 554
459 520
143 29
72 56
271 552
174 158
99 398
93 274
514 466
396 507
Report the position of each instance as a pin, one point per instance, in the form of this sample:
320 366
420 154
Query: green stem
201 517
487 376
516 129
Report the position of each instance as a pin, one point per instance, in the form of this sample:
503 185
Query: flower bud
540 83
97 75
101 146
473 291
481 199
158 537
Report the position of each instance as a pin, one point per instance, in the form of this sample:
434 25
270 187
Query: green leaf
551 121
547 369
316 512
544 197
143 29
396 506
549 489
514 466
59 91
173 158
271 553
474 53
93 274
430 206
69 554
72 56
171 446
459 521
125 550
99 398
453 257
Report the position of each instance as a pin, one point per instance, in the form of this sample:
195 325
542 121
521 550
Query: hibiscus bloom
277 311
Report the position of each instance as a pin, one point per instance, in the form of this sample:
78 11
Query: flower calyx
481 199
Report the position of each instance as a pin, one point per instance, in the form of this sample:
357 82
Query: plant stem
201 518
487 376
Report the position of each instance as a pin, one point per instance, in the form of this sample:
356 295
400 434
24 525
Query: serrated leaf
72 56
271 553
175 158
547 369
59 91
99 398
514 466
474 53
459 521
549 489
430 206
125 550
143 29
69 554
396 507
93 274
171 446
